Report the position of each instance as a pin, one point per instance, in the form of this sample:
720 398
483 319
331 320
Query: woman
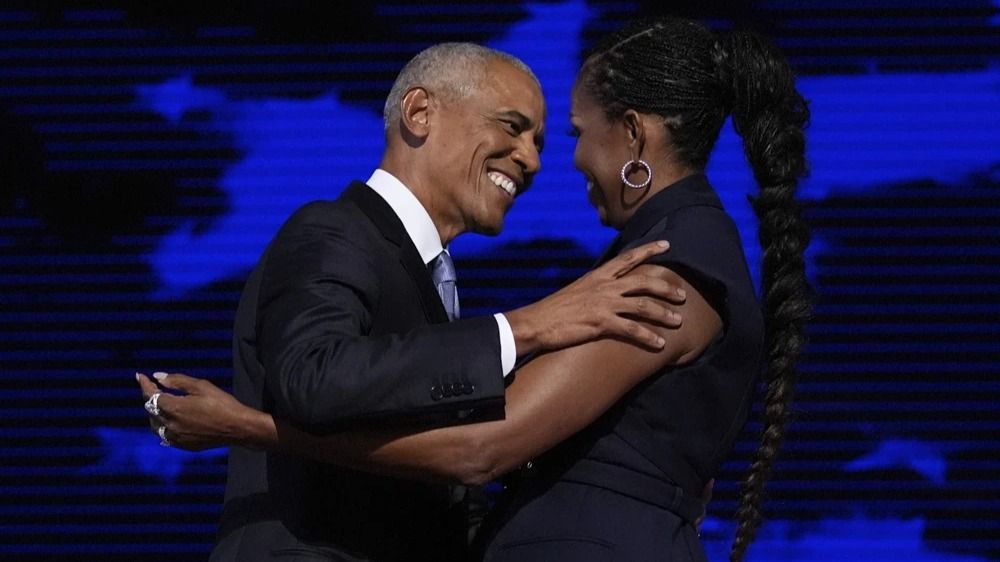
618 441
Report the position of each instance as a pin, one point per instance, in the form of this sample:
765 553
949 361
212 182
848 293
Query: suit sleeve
323 370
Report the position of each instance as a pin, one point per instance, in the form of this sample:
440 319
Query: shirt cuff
508 349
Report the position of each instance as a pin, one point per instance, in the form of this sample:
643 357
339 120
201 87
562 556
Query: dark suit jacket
340 326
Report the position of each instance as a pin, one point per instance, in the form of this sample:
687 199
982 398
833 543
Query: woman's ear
414 112
635 132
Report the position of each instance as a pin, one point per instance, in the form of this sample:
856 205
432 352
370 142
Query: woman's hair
682 71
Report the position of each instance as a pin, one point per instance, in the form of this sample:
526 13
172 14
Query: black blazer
633 478
340 326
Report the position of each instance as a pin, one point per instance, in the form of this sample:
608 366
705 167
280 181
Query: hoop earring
637 164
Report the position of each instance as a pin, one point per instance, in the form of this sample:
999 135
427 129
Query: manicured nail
660 342
137 375
159 376
663 244
682 293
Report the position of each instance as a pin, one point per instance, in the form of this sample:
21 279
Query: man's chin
489 229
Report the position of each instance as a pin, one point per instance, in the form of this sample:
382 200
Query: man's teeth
503 182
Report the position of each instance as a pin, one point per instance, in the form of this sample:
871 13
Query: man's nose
528 158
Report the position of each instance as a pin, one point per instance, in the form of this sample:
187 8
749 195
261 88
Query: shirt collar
418 224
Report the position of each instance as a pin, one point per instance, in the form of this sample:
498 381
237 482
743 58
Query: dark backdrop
147 154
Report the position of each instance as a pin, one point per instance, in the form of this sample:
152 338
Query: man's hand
203 417
606 302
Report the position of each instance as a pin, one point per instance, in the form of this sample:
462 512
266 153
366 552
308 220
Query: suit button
436 393
457 389
469 388
446 389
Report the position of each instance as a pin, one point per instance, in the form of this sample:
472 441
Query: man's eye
512 126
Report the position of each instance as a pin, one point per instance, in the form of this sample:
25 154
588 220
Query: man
342 324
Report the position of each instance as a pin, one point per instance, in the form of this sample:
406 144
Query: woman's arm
552 397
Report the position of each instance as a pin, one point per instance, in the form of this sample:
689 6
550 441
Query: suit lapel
383 217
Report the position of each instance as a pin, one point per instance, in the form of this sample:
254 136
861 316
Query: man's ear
415 108
635 132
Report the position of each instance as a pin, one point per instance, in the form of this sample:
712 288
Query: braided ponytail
770 115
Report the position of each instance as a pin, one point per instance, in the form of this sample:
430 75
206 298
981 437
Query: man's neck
410 176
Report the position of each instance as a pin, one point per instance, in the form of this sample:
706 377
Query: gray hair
454 70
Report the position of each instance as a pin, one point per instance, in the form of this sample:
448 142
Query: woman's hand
202 416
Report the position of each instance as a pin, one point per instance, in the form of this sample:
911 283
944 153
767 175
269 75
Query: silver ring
162 432
152 405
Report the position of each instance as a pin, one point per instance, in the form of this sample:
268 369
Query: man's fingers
627 261
640 284
178 381
633 331
651 310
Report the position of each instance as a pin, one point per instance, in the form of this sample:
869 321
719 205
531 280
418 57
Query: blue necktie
470 501
443 274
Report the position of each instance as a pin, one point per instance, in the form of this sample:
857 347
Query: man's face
487 149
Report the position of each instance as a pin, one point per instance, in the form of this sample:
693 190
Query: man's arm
597 305
323 368
319 288
552 397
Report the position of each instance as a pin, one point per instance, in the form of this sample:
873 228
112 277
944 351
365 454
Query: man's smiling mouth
504 182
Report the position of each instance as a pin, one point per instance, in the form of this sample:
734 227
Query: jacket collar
383 217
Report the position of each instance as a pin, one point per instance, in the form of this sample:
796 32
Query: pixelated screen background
148 152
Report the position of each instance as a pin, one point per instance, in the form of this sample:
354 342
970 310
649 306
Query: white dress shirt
425 237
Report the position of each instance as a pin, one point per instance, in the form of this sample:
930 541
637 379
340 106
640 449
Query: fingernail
682 293
663 244
159 376
137 375
660 342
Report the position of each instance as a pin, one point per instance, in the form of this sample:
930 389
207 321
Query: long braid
770 115
679 69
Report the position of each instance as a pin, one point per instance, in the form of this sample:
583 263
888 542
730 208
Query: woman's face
601 151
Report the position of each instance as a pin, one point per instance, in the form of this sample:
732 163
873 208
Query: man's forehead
521 94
